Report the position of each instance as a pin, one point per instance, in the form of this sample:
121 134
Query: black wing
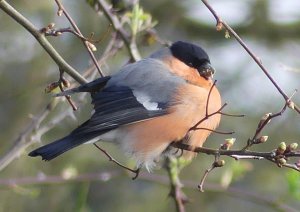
117 106
114 107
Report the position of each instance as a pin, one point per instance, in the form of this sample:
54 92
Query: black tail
52 150
77 137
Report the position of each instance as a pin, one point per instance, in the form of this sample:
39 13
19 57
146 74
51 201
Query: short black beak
206 70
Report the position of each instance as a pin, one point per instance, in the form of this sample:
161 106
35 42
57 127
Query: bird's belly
146 140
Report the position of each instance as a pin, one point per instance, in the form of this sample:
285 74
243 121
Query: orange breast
151 137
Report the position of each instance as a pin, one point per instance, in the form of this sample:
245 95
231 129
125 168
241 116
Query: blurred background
271 28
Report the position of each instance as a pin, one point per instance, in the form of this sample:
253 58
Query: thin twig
207 171
40 37
207 116
34 131
106 176
261 125
271 156
21 143
269 116
114 20
176 192
214 131
135 171
208 98
68 98
232 115
220 24
74 25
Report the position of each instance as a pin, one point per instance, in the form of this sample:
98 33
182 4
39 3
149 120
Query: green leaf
293 181
139 20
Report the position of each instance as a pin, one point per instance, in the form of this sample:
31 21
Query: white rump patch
145 101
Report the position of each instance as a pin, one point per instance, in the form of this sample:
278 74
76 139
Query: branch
210 151
269 116
114 20
105 176
270 156
174 167
217 163
110 158
34 131
21 143
40 37
61 10
261 125
220 24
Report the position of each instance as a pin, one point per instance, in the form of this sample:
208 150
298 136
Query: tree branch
105 176
114 20
21 143
271 156
173 168
40 37
220 24
61 9
34 131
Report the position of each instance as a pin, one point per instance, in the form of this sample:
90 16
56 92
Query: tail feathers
93 86
52 150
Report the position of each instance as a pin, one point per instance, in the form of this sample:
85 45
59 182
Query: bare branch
176 192
220 24
68 97
135 171
21 143
215 131
105 176
271 156
61 9
214 165
40 37
35 131
114 20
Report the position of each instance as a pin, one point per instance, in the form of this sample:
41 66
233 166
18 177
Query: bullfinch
148 105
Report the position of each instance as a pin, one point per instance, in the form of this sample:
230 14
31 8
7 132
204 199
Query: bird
149 105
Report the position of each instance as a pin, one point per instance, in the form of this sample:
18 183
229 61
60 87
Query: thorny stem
220 24
135 171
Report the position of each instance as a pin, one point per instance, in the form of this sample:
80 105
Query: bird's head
193 56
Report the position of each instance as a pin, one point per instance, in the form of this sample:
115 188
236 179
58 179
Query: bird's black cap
191 54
